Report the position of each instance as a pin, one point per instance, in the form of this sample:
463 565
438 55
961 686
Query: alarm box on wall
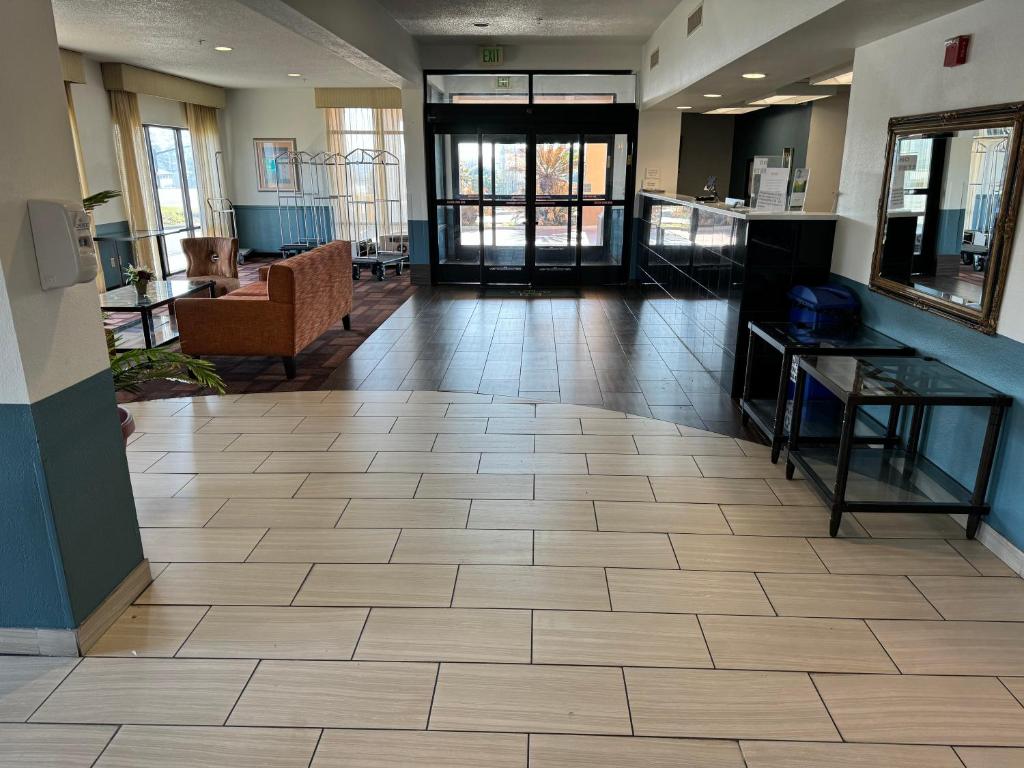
65 251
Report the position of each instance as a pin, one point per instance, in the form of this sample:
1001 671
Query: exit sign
491 54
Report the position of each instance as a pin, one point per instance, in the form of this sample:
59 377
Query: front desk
723 267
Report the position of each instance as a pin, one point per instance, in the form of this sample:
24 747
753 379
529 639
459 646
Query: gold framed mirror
948 210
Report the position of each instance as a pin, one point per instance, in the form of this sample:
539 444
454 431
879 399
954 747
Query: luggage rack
367 254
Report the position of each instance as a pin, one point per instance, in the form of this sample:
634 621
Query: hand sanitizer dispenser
65 251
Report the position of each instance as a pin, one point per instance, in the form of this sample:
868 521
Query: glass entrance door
530 208
504 208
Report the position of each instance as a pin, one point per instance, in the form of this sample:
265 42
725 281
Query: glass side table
159 293
854 473
767 400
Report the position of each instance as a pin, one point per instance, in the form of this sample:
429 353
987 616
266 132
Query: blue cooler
824 308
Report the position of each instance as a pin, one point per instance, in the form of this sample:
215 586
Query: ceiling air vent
655 56
694 20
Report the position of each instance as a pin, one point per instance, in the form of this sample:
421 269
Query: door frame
529 120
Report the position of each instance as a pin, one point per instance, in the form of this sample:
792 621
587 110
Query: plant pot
127 423
141 288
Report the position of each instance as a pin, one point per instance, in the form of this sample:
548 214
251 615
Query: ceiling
825 42
164 35
449 19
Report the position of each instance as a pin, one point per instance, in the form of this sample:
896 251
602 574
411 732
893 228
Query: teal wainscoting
954 435
68 529
259 226
419 241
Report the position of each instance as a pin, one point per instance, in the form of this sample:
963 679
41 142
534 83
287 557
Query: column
416 182
68 531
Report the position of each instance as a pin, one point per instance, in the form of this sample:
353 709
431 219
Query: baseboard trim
38 642
420 274
77 642
997 544
107 612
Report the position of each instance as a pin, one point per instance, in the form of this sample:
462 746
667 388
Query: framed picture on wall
274 172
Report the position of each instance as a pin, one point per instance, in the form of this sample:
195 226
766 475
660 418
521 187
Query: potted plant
134 367
140 278
92 202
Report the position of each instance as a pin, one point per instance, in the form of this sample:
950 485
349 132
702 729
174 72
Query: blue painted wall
419 241
32 590
259 226
68 529
953 435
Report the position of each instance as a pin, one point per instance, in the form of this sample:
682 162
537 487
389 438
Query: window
373 129
176 190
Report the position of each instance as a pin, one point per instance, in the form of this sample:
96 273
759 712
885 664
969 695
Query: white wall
95 132
658 149
825 140
415 159
266 113
49 340
903 75
731 28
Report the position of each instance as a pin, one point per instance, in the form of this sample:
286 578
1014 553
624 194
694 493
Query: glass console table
887 473
766 399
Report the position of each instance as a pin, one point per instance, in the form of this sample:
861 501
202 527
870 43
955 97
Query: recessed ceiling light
844 77
754 75
733 110
684 107
481 24
294 74
712 95
223 48
791 95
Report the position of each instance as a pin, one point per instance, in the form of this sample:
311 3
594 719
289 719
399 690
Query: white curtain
133 164
374 129
205 132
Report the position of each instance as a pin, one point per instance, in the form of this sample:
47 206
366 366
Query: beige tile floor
367 579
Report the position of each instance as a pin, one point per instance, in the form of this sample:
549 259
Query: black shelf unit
856 473
766 402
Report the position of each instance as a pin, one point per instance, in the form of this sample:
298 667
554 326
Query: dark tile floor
602 346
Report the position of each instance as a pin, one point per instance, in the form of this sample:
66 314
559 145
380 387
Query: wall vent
655 56
695 20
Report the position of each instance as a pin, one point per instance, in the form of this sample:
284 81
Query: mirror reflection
944 198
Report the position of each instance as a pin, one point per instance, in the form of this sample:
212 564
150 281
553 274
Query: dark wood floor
606 347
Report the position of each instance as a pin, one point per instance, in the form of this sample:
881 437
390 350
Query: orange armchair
293 303
213 258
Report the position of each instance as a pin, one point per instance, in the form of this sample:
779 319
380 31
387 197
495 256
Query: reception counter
724 267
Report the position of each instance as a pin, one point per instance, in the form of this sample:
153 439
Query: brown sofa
292 304
213 258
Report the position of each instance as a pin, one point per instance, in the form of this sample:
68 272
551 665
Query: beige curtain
83 183
352 128
133 164
205 131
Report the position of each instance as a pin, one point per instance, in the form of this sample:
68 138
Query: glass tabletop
858 337
884 378
159 292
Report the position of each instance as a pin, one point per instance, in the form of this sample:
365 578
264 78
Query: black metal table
888 473
768 410
160 293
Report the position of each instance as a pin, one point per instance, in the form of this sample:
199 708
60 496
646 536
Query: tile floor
363 579
606 347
